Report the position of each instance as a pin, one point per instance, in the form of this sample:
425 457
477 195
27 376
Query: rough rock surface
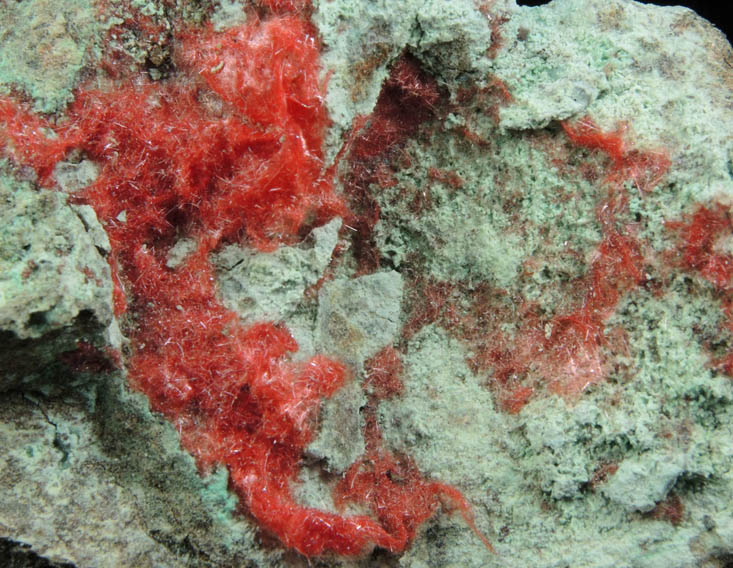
490 215
45 47
55 287
356 318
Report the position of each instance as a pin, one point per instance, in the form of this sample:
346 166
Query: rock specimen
288 282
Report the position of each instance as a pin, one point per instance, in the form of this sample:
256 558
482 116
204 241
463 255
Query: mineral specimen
285 279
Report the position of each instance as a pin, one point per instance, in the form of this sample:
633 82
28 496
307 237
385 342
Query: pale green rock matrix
96 479
664 70
356 318
92 477
44 242
662 417
45 45
272 287
54 283
470 234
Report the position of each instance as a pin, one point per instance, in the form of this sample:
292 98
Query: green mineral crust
560 162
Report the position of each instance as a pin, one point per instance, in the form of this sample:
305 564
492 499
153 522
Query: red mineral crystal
702 235
392 486
230 150
644 168
408 98
564 352
383 372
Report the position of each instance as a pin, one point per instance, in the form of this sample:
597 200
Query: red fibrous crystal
383 372
231 151
644 168
672 510
563 353
390 485
706 226
701 250
87 358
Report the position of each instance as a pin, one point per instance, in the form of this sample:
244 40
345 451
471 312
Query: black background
713 11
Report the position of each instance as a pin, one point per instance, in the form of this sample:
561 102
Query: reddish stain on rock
672 510
408 98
